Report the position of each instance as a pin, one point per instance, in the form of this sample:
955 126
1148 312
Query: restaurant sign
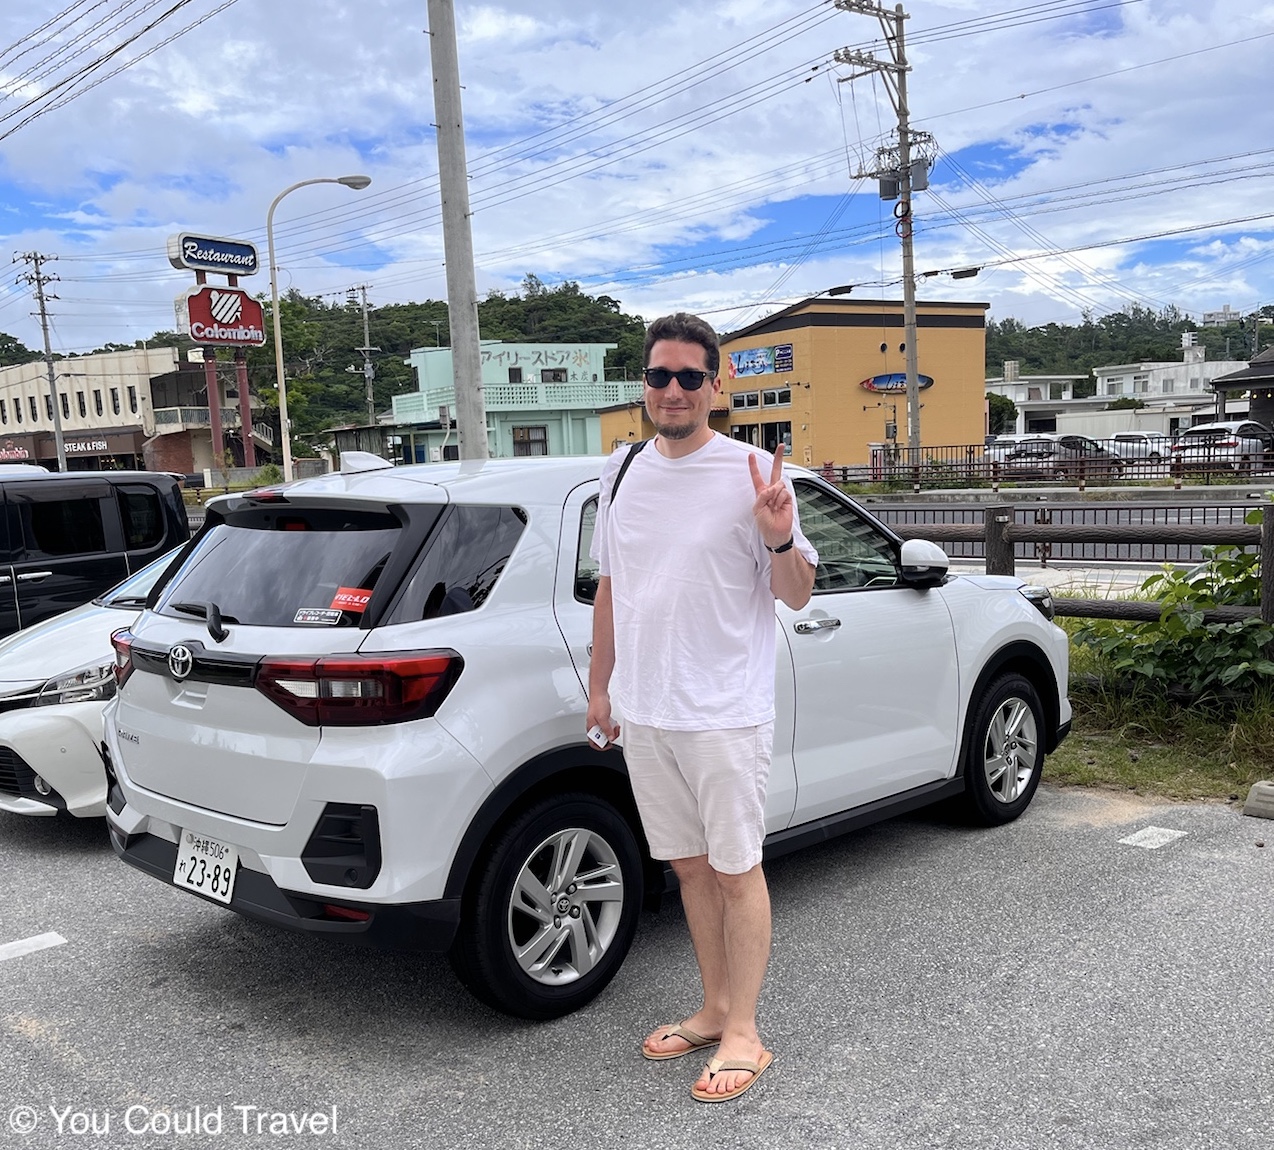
225 317
212 254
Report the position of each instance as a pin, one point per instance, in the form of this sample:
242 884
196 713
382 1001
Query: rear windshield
1209 433
299 567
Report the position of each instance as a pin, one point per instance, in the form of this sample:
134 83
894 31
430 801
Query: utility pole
901 171
369 370
37 279
457 236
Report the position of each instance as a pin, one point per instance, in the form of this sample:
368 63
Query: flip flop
717 1066
697 1042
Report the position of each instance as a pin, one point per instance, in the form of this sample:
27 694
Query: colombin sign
221 316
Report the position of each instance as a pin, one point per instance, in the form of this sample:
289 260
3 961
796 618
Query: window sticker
351 599
323 616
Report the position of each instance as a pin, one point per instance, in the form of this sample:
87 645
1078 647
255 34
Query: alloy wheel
565 906
1012 749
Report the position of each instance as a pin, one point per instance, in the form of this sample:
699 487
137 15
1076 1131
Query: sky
1088 155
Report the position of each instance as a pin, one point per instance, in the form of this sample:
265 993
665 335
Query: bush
268 475
1182 653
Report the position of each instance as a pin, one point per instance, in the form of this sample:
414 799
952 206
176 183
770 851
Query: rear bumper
409 926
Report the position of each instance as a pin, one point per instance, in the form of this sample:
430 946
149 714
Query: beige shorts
702 792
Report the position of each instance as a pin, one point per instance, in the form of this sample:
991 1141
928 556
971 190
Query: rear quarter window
461 563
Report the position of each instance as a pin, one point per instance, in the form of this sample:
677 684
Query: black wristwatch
782 546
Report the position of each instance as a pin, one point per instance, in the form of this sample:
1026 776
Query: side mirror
923 563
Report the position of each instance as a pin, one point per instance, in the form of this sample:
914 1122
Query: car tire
538 948
1004 751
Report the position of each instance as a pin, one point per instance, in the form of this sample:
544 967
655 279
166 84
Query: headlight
1041 599
94 683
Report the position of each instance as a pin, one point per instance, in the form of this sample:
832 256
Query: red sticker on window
351 599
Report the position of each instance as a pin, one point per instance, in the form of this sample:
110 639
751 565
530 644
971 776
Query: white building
1175 395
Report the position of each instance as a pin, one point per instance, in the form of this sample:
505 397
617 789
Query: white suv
356 709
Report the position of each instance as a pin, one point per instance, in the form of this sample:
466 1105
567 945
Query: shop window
4 412
773 433
79 395
35 408
132 400
530 441
741 400
515 375
115 400
553 375
48 407
66 405
746 433
97 400
777 397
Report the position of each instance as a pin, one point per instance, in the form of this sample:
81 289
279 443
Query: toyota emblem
180 661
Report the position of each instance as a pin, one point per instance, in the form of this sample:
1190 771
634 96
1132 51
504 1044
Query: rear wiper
212 613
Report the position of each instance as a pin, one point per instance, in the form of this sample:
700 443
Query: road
1039 985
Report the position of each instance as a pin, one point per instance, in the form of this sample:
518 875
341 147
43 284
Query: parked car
69 537
1061 457
997 450
357 707
1150 445
55 681
1236 445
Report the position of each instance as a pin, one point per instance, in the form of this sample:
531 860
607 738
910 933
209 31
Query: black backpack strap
628 459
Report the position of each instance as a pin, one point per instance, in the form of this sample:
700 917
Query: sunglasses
689 378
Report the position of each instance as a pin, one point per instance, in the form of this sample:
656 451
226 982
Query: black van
66 538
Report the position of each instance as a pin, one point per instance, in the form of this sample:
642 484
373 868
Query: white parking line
1152 838
30 945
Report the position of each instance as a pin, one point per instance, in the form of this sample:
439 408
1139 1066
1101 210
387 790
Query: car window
587 570
56 527
300 566
142 516
852 553
461 563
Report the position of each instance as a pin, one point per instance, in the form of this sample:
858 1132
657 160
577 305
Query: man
701 537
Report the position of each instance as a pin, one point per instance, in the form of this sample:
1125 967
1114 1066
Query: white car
1150 445
55 680
1237 445
357 709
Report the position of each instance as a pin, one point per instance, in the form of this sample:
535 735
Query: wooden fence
998 532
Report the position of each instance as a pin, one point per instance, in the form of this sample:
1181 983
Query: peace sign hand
773 506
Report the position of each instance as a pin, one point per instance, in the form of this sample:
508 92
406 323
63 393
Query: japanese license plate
206 866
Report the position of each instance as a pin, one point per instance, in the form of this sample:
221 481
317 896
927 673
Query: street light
358 183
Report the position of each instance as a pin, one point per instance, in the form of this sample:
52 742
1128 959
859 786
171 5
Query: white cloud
607 139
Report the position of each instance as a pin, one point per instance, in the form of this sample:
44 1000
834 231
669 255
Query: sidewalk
1070 580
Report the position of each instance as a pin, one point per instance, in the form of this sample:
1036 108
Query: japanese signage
222 316
212 254
894 381
761 361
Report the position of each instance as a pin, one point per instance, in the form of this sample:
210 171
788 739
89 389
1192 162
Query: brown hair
684 328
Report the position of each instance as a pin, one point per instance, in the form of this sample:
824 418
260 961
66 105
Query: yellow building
827 376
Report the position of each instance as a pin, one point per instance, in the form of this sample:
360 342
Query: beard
676 430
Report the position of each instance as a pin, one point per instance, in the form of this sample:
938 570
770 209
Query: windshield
133 591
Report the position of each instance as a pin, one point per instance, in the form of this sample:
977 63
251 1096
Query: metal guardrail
988 465
1000 532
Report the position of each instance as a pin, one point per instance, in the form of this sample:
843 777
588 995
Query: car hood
61 644
994 582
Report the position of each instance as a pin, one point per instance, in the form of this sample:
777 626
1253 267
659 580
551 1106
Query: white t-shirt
690 581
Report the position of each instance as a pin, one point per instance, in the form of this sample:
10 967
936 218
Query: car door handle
30 576
809 626
5 579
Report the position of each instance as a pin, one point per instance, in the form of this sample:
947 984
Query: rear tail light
122 641
360 690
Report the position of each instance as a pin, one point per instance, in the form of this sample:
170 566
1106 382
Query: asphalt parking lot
1039 985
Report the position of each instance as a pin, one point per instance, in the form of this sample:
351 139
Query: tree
1126 403
1002 417
14 352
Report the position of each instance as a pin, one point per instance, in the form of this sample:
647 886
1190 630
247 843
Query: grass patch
1143 741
